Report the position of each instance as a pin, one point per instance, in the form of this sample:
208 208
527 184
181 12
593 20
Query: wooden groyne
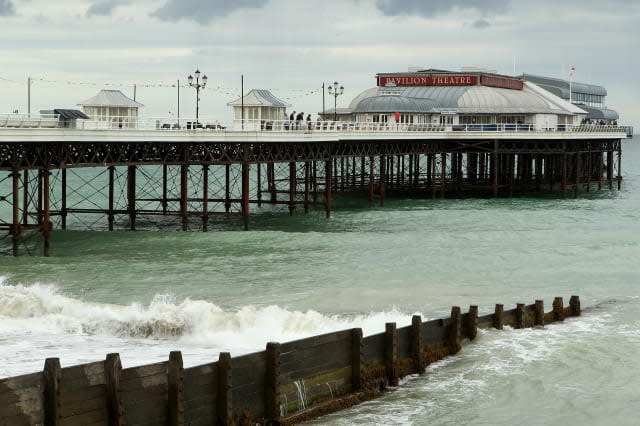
283 385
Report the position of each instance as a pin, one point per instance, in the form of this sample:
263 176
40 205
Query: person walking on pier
309 121
291 118
299 119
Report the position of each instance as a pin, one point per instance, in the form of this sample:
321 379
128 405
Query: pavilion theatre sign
429 80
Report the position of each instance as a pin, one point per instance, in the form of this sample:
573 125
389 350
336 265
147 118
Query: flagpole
571 71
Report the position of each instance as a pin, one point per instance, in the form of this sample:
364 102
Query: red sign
429 80
501 82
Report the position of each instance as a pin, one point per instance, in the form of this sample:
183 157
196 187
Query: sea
143 294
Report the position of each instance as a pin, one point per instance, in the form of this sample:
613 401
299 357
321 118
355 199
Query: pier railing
285 384
171 124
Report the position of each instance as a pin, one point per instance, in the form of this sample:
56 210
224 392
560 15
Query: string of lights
287 94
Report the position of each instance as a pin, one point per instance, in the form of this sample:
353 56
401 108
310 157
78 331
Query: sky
71 49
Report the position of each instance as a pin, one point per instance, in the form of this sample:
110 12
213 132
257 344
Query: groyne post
574 305
520 315
52 374
272 382
497 316
112 373
357 359
539 316
175 391
558 309
391 353
455 336
225 388
417 344
472 322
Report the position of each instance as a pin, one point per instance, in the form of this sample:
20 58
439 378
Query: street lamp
335 91
197 85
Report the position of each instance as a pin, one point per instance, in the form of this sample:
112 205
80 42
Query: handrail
171 124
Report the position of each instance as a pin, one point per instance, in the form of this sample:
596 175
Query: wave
43 308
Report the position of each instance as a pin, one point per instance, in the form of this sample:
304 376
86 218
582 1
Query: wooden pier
120 176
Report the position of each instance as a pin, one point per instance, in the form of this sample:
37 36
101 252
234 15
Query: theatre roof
474 99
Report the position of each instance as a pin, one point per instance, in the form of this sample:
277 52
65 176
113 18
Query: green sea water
145 293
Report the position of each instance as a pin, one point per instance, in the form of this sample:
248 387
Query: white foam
40 316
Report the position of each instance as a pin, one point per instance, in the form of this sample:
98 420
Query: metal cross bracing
179 185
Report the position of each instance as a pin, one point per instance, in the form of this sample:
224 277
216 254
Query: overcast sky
73 48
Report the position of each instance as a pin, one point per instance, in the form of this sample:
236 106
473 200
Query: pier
285 384
114 177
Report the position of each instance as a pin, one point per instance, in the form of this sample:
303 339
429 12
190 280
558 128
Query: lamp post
197 85
335 91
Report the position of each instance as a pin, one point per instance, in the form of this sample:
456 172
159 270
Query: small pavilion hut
262 111
112 108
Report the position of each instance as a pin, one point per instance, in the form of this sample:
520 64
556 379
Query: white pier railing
187 124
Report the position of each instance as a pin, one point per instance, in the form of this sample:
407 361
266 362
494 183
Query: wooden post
52 373
574 304
357 359
225 388
558 309
175 394
455 335
112 373
497 316
272 382
539 319
417 344
472 326
391 353
520 323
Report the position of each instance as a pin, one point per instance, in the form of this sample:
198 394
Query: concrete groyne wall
285 384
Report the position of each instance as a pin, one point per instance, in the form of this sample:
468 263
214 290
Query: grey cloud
7 8
203 11
480 24
431 8
103 7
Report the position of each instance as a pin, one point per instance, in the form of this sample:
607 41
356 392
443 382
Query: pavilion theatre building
460 99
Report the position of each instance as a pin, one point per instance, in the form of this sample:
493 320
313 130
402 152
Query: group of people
601 122
294 121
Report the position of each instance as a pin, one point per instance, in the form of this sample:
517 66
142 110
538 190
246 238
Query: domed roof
459 99
394 103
